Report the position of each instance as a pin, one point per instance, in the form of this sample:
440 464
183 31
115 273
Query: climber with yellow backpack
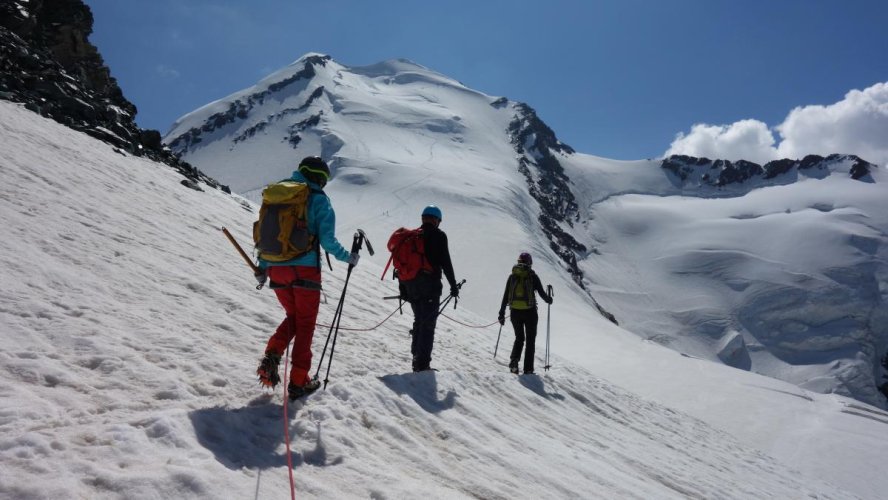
295 221
520 295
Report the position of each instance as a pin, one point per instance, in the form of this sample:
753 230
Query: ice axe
244 255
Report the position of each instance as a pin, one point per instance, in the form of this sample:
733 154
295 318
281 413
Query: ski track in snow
131 332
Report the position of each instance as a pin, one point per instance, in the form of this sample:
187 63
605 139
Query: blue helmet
433 211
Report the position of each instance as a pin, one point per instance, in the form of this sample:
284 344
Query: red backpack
408 254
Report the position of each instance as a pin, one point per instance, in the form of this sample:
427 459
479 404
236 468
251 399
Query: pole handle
240 250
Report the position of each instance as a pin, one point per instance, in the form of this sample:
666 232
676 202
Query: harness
297 283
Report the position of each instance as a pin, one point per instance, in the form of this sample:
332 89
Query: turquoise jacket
321 223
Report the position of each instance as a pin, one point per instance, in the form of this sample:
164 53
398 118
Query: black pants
425 318
524 321
424 295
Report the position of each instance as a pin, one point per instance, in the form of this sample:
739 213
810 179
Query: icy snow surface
131 330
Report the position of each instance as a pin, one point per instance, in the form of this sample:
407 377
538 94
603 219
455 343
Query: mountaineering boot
268 370
513 369
295 392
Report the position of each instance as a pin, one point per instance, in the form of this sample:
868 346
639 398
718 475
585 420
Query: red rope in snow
287 423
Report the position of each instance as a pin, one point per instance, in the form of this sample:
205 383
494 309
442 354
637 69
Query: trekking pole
551 293
359 238
449 297
244 255
497 341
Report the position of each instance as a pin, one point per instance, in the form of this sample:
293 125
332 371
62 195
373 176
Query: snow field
131 331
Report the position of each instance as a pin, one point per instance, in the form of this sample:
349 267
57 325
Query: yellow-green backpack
281 233
521 293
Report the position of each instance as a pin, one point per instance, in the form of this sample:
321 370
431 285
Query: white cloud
858 124
747 139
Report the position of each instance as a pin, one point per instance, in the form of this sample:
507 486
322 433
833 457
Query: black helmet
315 169
525 258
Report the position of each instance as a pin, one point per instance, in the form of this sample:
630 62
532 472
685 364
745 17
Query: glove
454 292
261 276
353 259
548 300
501 318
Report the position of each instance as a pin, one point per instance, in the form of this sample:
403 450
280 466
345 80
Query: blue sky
616 78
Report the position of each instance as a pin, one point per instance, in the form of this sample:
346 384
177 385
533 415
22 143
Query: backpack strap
317 242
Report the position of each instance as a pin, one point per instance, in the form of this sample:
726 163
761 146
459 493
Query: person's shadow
423 388
535 384
251 436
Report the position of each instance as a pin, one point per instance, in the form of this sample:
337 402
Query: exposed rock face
536 146
48 63
691 172
240 109
534 141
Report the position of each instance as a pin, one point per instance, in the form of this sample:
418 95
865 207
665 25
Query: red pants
301 305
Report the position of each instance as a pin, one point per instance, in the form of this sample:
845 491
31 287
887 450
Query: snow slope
788 280
130 331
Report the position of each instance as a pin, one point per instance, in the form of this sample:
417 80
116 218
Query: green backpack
521 293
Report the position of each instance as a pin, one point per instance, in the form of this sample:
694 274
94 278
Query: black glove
548 300
501 318
353 259
261 276
454 292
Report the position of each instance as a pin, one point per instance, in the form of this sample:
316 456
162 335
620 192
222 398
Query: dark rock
723 173
779 167
735 173
240 109
48 64
190 184
860 169
810 161
547 183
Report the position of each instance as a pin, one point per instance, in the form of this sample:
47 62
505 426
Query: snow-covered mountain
130 330
778 269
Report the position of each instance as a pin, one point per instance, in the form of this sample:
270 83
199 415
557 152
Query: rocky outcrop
240 109
48 64
535 142
547 183
691 172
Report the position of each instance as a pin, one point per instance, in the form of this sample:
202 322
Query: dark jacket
438 253
537 287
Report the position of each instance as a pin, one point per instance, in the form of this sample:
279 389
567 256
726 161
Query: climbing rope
363 329
468 325
287 423
396 310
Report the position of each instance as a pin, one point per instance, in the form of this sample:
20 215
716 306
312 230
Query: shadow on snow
253 436
423 388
